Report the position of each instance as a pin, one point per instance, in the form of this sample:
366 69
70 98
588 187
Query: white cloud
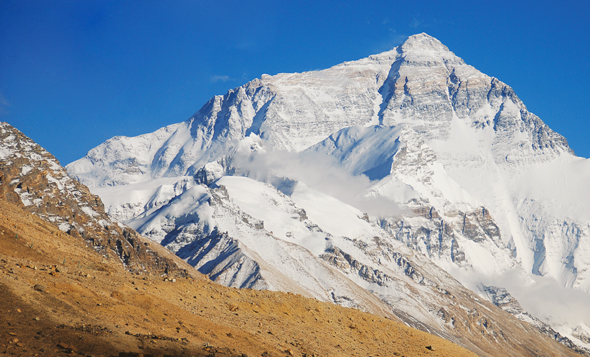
394 40
218 78
318 172
546 299
542 297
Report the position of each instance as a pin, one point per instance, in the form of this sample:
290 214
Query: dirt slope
33 179
60 297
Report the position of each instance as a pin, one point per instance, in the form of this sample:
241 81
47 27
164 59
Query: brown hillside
61 297
33 179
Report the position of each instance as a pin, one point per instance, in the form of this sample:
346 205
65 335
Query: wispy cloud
419 22
218 78
395 39
319 172
542 297
546 299
247 44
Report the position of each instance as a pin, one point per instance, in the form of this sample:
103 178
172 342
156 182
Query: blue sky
75 73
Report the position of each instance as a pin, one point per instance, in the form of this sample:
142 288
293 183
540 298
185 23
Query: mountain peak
423 42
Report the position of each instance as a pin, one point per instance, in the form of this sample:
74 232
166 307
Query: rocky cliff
33 179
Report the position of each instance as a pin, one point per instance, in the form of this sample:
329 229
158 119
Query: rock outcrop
33 179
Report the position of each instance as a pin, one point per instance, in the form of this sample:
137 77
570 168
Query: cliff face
33 179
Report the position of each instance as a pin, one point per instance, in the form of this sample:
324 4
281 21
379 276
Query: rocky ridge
33 179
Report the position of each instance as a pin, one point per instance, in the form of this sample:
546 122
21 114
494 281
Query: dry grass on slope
59 297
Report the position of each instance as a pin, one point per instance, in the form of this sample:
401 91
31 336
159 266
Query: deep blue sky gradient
75 73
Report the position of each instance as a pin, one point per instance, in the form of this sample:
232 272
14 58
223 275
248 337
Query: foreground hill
33 179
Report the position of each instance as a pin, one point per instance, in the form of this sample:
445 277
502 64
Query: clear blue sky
75 73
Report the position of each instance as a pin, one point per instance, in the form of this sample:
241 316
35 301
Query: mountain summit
355 183
420 83
423 42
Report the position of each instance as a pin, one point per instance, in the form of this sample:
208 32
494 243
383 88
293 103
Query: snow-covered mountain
268 186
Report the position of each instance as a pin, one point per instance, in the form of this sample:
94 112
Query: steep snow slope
486 188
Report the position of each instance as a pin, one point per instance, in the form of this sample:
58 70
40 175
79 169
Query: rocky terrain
33 179
67 291
58 296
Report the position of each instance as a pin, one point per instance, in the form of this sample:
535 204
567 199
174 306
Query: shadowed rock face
33 179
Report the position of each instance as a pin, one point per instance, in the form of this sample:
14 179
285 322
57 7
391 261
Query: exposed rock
581 334
440 237
34 180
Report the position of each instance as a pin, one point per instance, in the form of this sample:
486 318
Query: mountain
64 291
33 179
367 184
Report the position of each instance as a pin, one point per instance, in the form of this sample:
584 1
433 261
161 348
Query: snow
89 211
330 214
25 169
186 208
64 227
4 153
55 181
268 205
127 201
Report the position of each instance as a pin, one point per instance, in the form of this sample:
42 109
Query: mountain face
39 189
33 179
362 184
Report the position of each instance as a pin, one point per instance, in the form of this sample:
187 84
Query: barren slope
58 296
